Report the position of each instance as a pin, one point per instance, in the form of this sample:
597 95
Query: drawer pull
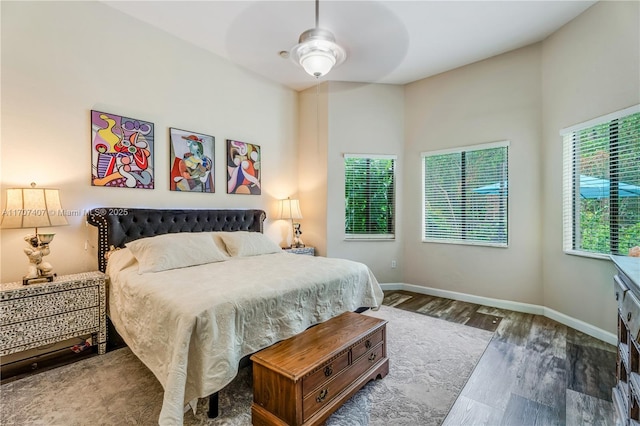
617 296
328 371
372 357
367 344
628 316
323 395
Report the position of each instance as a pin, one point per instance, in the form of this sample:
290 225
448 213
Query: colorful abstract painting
192 159
243 168
121 151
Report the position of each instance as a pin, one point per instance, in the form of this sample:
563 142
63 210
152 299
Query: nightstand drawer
43 330
29 308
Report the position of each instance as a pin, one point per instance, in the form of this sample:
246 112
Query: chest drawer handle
323 395
328 371
617 296
628 316
367 344
372 357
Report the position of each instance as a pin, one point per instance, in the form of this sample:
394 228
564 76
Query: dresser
626 393
40 314
303 380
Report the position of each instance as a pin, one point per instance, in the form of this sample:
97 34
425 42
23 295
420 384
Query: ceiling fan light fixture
317 52
317 63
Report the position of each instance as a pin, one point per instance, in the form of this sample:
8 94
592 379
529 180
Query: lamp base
39 279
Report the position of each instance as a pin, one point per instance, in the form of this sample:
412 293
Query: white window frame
568 219
469 148
375 237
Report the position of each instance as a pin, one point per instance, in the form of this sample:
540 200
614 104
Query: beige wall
312 166
352 118
493 100
364 119
590 67
62 59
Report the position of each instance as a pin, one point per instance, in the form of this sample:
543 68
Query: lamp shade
289 209
33 208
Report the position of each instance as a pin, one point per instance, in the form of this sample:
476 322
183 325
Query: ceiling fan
317 51
371 40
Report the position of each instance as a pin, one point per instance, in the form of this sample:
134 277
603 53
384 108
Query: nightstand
309 251
40 314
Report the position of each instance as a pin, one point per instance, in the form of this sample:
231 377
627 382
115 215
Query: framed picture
243 168
121 151
192 161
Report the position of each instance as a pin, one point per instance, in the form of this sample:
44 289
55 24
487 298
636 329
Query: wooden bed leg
213 406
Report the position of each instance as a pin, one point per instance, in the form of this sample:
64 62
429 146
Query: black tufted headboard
117 226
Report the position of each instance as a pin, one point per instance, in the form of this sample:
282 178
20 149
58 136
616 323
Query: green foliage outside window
608 224
369 197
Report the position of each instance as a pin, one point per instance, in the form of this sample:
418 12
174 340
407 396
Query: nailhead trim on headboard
118 226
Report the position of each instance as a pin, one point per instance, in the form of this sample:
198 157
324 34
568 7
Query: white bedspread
192 326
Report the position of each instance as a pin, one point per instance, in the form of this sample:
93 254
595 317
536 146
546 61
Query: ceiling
393 42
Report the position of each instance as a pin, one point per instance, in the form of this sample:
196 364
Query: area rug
430 361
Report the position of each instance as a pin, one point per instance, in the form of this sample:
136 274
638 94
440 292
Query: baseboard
528 308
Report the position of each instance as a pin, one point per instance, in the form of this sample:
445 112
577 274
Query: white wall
493 100
590 67
62 59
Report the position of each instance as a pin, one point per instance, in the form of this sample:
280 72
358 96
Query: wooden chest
302 380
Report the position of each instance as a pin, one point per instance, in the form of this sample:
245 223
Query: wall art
243 168
192 161
121 151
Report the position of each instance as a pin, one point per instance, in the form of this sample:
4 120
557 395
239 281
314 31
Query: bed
192 292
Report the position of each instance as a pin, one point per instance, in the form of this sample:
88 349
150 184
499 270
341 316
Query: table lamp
290 209
33 208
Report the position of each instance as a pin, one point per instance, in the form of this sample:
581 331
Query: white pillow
176 250
243 243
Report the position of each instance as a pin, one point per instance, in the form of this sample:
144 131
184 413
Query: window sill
588 254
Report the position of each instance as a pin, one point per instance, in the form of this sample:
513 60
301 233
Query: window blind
466 195
369 196
601 184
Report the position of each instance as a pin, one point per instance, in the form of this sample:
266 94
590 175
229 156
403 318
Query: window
466 195
601 184
369 196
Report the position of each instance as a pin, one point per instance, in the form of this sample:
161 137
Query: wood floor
535 370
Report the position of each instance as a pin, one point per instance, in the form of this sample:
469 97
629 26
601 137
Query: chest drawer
368 343
325 394
28 308
631 314
368 360
325 373
42 329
